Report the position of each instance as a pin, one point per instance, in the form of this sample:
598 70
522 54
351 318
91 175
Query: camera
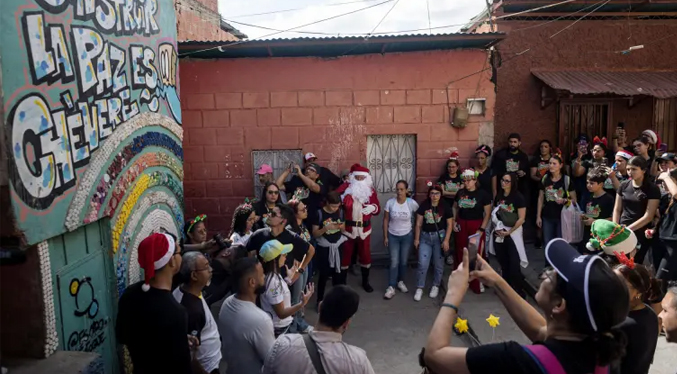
220 242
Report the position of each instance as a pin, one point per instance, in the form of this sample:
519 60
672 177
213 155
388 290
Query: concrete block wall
328 107
199 20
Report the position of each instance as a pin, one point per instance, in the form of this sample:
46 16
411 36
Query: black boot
365 280
343 277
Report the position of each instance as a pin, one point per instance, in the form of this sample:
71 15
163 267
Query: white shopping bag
572 226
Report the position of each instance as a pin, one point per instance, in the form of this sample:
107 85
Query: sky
406 15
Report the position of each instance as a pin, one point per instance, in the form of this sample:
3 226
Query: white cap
309 156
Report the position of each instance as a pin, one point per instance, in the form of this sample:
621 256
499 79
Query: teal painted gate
82 276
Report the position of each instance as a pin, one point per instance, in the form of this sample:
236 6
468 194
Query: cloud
407 15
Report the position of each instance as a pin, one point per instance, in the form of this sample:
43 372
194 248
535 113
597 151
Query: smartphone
663 147
621 125
473 247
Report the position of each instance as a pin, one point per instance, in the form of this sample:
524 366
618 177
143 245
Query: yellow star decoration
493 320
461 325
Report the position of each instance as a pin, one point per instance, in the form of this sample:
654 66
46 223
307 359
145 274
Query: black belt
358 224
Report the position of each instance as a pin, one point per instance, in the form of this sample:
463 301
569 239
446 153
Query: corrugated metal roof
659 84
337 46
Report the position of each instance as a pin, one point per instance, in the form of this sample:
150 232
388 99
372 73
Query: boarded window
665 121
278 159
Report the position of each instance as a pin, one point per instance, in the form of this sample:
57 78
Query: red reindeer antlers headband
624 260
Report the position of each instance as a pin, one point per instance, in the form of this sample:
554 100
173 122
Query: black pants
322 266
665 259
509 259
644 245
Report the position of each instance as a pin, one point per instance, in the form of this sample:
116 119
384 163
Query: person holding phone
472 210
556 191
434 222
304 186
327 229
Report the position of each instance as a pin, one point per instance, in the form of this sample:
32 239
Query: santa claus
360 204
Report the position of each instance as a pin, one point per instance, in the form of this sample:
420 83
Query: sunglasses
505 181
273 192
195 220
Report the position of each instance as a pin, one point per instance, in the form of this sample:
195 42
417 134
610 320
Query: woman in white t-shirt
241 225
276 300
398 235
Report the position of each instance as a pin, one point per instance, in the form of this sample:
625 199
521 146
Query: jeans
430 245
399 247
552 228
507 256
296 289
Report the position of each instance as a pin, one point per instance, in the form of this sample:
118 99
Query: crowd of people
283 248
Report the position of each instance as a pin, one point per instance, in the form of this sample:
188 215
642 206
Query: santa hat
653 137
358 169
625 154
154 253
611 237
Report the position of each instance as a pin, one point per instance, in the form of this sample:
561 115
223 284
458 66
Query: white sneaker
402 287
418 294
481 287
434 291
390 292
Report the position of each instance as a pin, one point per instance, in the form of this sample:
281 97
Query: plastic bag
572 226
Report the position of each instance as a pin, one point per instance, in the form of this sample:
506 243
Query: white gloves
368 209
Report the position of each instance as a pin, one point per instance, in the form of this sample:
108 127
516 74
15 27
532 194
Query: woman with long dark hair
507 241
667 228
574 330
643 333
643 148
398 236
276 300
327 230
482 154
298 227
556 191
434 222
242 223
540 163
636 203
270 196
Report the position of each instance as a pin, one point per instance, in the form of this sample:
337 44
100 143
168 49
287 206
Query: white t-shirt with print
237 239
277 292
401 216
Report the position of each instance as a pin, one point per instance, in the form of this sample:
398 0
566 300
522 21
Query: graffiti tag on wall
92 76
93 336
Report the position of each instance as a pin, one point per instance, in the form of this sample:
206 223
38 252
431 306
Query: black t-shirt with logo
541 165
511 203
431 215
325 219
484 182
635 200
471 204
576 357
601 207
450 184
552 190
260 237
507 162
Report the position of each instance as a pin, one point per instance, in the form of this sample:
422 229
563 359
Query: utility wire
576 21
427 5
290 29
372 30
301 8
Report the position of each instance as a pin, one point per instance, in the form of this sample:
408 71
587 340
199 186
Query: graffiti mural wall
93 123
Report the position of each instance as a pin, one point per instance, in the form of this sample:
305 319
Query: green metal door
82 294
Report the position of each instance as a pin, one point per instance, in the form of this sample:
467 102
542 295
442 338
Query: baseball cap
667 157
592 290
264 169
272 249
309 156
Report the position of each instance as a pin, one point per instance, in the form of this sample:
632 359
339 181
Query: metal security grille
583 117
278 159
665 121
391 158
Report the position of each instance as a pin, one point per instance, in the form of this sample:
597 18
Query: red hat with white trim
358 169
653 137
154 253
625 154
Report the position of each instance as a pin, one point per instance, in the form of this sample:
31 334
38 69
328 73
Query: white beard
360 190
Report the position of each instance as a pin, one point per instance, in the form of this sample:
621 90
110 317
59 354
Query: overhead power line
300 8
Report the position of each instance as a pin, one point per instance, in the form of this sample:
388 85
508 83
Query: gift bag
572 226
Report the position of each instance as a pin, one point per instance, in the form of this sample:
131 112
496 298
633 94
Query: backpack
549 363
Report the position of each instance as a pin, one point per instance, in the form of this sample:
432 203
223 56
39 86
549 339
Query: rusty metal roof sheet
659 84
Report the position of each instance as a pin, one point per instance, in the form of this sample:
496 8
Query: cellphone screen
473 245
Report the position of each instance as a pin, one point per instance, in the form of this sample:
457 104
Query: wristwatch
301 270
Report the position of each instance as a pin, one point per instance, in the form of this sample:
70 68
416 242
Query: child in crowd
599 206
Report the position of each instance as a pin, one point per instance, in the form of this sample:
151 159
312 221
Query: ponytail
610 345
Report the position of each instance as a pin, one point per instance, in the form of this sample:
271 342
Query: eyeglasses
195 220
505 181
203 269
435 194
273 214
273 192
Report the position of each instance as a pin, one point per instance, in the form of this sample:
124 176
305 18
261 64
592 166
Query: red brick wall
586 45
199 20
328 107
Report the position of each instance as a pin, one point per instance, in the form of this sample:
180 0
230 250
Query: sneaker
434 291
450 261
402 287
390 292
481 287
418 294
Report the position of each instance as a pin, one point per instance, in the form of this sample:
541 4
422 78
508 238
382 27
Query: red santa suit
358 215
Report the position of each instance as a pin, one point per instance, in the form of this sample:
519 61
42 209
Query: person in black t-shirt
582 155
472 210
637 203
270 197
511 160
150 323
327 229
328 178
556 192
482 154
538 167
644 147
599 158
618 173
580 301
642 328
600 205
434 223
304 187
666 231
450 180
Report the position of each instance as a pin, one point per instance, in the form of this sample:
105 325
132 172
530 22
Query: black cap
597 302
667 157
